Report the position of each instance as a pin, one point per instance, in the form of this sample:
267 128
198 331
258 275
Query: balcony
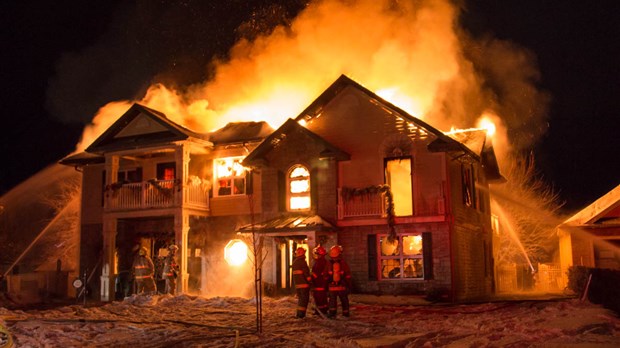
368 204
155 194
371 202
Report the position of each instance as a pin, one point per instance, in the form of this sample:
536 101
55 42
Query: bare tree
528 214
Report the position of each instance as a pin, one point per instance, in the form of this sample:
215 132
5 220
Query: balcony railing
373 203
366 205
155 194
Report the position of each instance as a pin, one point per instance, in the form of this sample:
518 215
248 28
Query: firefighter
302 278
171 269
339 282
143 270
319 279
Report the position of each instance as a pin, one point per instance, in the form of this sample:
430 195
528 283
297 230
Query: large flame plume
412 53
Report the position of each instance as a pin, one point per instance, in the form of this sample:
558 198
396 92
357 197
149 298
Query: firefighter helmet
319 251
300 252
335 251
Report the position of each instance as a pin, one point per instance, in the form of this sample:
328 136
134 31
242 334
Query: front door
285 253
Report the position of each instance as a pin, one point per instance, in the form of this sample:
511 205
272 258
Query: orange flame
411 53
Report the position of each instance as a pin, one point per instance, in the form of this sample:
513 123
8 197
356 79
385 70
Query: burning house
408 203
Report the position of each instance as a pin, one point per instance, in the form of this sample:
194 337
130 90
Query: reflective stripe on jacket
301 273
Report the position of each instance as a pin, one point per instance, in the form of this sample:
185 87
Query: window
402 258
298 188
468 185
229 176
129 175
398 177
166 171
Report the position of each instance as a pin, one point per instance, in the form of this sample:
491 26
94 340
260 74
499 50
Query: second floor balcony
372 202
155 194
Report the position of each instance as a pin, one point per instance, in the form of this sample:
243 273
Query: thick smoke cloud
416 54
147 42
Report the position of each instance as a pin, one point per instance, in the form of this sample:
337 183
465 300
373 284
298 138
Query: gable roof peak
141 126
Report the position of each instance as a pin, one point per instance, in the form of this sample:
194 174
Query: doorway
285 254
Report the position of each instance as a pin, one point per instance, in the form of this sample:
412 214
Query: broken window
398 176
298 184
229 176
402 258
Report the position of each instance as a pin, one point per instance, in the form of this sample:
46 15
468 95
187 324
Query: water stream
47 227
507 223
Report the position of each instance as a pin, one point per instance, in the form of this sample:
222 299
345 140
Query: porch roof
603 211
290 223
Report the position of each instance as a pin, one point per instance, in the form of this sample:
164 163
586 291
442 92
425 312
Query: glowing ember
236 252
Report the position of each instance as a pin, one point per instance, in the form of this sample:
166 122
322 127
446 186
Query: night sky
576 45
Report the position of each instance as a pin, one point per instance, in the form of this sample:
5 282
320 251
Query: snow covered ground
188 321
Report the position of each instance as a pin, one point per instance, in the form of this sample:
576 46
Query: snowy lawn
188 321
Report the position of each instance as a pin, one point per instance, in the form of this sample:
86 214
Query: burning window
229 176
398 176
402 258
298 184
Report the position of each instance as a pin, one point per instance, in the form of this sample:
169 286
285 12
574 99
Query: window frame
232 179
402 258
468 185
305 194
386 176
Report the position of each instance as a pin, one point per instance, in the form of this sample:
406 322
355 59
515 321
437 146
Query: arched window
298 188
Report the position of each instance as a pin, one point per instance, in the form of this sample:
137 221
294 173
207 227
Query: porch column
111 174
181 232
181 158
108 269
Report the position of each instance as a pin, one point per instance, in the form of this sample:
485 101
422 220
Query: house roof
285 130
602 211
141 126
316 107
472 143
476 140
240 132
289 223
82 158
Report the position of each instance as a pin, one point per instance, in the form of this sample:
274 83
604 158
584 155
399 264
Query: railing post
144 194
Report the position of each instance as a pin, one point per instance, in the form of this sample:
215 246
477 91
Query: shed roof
289 223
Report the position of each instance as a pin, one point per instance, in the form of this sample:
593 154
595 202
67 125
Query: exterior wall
472 233
355 244
301 149
369 134
92 195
